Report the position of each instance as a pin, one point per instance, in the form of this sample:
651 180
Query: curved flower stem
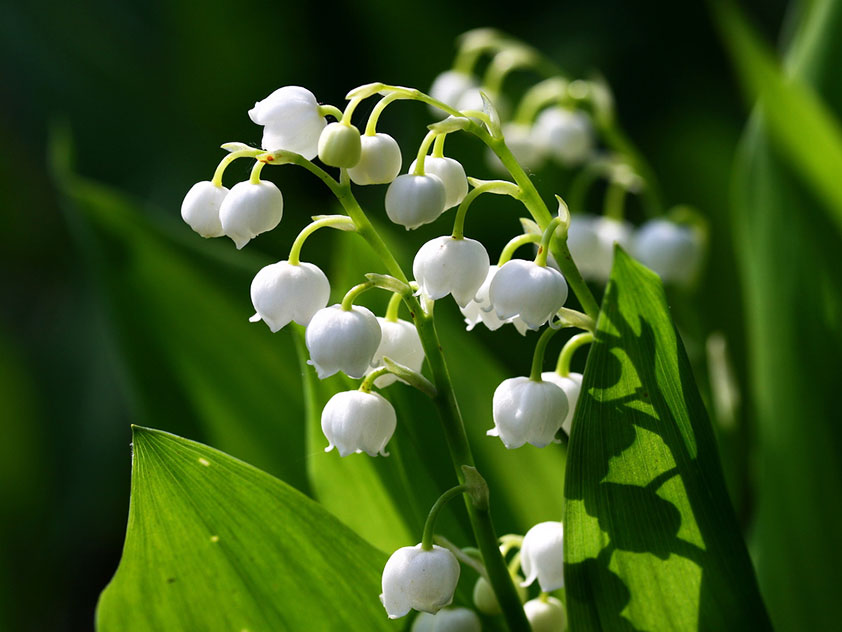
579 340
228 159
353 293
546 239
430 524
538 356
514 243
337 221
499 187
371 125
368 382
422 152
393 307
617 140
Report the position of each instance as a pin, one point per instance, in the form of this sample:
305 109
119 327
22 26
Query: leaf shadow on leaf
657 550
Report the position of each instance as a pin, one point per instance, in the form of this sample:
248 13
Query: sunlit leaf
215 544
651 541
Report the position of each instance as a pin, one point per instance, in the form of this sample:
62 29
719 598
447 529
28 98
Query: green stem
368 382
493 186
538 96
254 178
227 160
393 307
331 110
617 140
515 243
349 110
538 356
422 152
331 220
353 293
570 347
371 125
430 524
614 205
438 146
546 239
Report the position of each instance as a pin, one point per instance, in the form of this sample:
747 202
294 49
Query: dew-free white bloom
671 250
250 209
542 555
399 342
445 265
480 309
354 421
417 579
413 200
452 174
448 620
520 142
567 135
340 145
380 160
525 289
200 208
572 386
527 411
449 87
291 120
545 616
591 242
282 292
342 340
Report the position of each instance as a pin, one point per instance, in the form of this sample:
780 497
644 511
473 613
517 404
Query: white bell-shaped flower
671 250
282 292
527 411
545 614
417 579
591 242
445 265
567 135
342 340
571 385
200 208
542 556
452 173
250 209
413 200
449 87
380 160
520 142
354 421
448 620
525 289
480 309
399 342
340 145
291 120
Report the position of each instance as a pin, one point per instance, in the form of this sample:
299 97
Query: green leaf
215 544
807 132
651 541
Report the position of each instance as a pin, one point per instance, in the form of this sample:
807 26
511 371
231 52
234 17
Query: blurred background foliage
148 91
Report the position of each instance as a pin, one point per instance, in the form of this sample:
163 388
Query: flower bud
354 421
480 309
591 242
572 386
545 615
447 620
250 209
340 145
567 135
413 200
417 579
525 289
452 174
380 160
486 601
672 251
445 265
399 342
200 208
449 87
526 411
542 556
282 292
291 120
342 340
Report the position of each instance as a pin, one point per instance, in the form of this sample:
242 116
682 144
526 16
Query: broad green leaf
651 540
788 255
215 544
807 132
180 309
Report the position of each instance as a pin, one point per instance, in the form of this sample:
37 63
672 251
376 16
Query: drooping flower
449 87
525 289
521 143
452 174
355 421
340 145
282 292
545 614
249 209
571 385
419 579
291 120
591 242
200 208
542 555
399 342
448 620
342 340
413 200
445 265
527 411
565 134
671 250
380 160
480 309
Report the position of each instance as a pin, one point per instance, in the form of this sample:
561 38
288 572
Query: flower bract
414 578
527 411
354 421
342 340
282 292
